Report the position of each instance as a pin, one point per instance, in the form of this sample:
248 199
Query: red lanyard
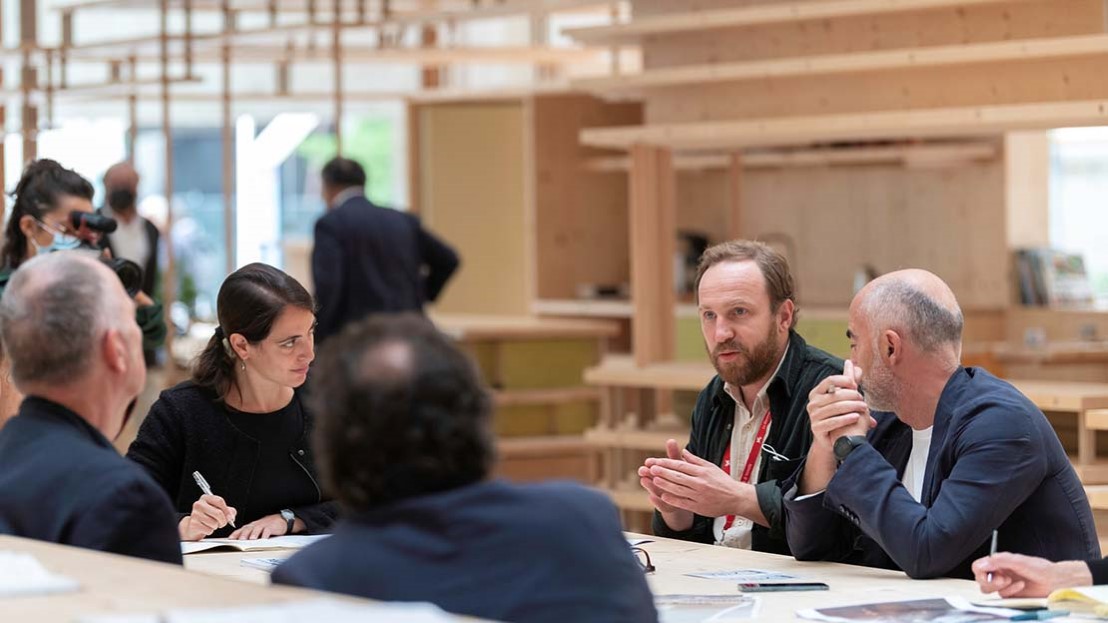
751 460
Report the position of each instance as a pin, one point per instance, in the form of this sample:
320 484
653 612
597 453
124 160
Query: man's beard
751 365
880 388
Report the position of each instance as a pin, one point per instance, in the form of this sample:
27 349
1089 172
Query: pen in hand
207 489
992 552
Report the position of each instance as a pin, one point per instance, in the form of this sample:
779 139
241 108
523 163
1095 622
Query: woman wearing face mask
240 421
40 223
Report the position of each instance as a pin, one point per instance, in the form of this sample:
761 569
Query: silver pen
207 489
992 552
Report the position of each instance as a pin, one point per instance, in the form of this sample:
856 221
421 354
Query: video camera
129 273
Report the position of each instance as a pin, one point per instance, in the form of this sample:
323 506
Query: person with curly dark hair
241 421
405 444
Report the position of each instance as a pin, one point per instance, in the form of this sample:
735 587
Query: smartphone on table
769 587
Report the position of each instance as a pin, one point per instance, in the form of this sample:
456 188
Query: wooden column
336 57
431 74
169 290
28 39
735 197
653 230
132 112
229 139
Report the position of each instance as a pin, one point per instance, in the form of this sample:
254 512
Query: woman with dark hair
40 223
240 422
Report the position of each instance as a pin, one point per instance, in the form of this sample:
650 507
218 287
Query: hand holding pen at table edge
209 513
1016 575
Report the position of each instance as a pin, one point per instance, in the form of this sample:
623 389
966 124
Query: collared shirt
130 240
347 195
743 431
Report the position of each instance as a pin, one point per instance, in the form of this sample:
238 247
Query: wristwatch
287 515
845 445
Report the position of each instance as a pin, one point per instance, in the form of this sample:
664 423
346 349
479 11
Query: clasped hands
836 409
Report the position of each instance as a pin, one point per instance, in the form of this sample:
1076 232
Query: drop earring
243 366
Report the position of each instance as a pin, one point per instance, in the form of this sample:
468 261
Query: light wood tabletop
118 585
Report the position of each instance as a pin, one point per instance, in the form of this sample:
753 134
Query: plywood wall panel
471 179
581 217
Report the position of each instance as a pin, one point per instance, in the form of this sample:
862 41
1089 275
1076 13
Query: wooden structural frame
47 71
735 87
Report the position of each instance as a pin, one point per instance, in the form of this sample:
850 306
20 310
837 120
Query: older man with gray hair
69 330
948 456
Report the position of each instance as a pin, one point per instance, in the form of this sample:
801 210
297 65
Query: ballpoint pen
207 489
992 552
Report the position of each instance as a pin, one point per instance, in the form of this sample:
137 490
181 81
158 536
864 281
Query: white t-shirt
129 240
917 462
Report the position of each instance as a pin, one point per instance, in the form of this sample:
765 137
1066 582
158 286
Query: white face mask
60 241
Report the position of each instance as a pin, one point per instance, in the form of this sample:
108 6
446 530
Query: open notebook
1085 600
257 545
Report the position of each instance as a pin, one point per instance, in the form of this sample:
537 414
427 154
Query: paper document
743 575
256 545
705 608
328 610
265 564
22 574
949 610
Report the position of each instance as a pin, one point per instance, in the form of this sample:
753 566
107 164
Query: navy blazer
994 463
368 259
522 553
62 481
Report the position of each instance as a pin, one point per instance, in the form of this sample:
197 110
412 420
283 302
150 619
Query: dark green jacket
790 435
151 319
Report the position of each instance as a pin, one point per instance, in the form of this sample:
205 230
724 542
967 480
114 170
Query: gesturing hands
209 513
683 484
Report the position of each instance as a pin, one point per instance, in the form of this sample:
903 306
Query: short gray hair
52 313
928 324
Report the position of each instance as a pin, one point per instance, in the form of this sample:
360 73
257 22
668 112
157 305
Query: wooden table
112 584
673 559
849 585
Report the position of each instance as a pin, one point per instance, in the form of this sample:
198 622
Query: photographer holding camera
53 212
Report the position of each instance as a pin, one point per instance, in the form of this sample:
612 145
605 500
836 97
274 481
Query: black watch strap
846 444
290 519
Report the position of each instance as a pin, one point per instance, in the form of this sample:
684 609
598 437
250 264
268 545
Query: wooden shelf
630 500
1095 473
935 154
632 439
621 371
1064 396
528 397
600 308
758 15
830 64
464 327
514 447
977 121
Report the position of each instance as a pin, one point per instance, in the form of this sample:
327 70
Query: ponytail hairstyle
37 193
249 303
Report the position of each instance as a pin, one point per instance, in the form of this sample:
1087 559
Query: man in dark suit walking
76 354
369 259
